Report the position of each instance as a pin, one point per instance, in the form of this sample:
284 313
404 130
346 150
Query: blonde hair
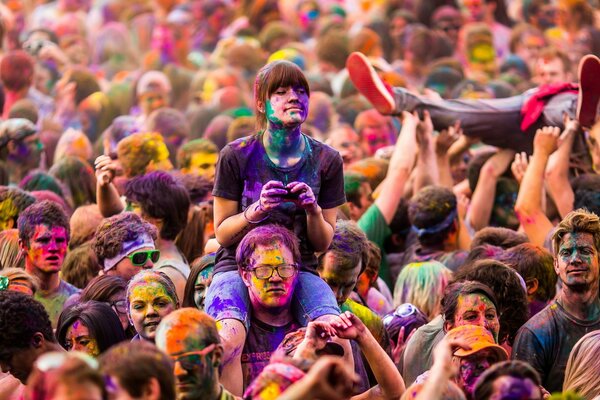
581 375
422 284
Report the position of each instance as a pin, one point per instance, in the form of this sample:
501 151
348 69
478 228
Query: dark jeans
496 122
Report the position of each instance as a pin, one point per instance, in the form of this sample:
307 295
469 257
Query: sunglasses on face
139 258
193 359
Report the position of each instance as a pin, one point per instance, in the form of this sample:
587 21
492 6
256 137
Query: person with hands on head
253 177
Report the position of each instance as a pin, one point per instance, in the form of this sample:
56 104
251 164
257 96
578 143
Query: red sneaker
589 90
369 84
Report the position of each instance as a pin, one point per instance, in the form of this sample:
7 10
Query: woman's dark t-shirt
244 167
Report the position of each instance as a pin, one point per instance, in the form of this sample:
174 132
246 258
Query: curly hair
12 202
100 319
351 245
137 151
116 230
21 317
149 191
509 289
429 207
45 213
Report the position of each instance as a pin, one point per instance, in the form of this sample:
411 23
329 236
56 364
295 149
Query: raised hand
519 166
546 140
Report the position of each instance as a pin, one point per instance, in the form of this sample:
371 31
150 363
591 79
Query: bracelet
255 222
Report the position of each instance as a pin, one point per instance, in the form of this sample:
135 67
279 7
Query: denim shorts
227 298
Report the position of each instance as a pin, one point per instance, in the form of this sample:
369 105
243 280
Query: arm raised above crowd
107 196
529 201
401 163
557 171
482 202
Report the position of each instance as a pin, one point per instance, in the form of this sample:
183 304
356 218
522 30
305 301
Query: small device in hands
291 196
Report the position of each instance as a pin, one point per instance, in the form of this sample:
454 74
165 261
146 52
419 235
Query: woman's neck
282 141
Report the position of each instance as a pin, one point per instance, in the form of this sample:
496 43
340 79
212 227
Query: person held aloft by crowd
169 214
138 370
44 237
535 265
521 114
151 296
542 341
200 279
198 157
272 175
90 327
111 290
191 339
124 245
552 66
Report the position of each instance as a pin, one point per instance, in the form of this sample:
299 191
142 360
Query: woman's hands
274 193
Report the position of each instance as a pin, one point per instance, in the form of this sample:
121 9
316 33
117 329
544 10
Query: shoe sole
589 90
368 83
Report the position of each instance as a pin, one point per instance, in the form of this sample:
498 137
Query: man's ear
556 269
38 340
217 356
532 286
22 245
151 390
447 326
245 274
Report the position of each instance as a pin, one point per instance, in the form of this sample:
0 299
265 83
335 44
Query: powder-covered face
514 388
78 338
202 164
477 309
471 368
375 135
340 278
149 302
576 263
347 143
287 107
202 283
194 371
153 100
274 292
47 248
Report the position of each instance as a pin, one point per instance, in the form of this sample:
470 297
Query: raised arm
107 196
557 171
529 201
390 383
482 201
427 168
401 164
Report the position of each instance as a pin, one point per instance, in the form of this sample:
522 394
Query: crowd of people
299 199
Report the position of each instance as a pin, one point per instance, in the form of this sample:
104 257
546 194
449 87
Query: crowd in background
333 199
